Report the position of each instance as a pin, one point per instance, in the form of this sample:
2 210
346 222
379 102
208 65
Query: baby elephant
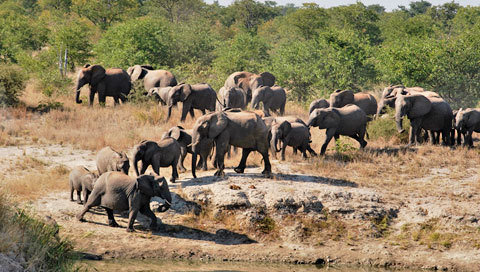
294 134
111 160
349 120
162 154
81 180
119 192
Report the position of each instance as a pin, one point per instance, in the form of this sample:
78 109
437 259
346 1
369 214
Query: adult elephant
232 127
318 104
162 154
296 135
198 96
467 121
184 138
232 97
151 78
119 192
365 101
160 94
249 81
111 160
430 113
273 98
350 121
112 82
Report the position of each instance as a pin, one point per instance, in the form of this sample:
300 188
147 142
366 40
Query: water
180 266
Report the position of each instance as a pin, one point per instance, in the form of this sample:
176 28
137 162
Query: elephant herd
228 124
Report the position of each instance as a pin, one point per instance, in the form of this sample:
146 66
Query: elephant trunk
78 86
77 98
167 205
399 121
274 142
380 108
136 158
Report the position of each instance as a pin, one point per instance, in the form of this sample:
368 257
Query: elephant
82 181
296 135
249 81
184 138
120 192
456 129
160 93
111 160
467 121
198 96
270 120
232 97
430 113
232 127
151 78
112 82
318 104
350 121
162 154
390 93
273 98
365 101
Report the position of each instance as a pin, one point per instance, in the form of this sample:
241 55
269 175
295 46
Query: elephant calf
294 134
318 104
111 160
273 98
349 120
232 97
198 96
82 181
184 138
119 192
160 94
467 121
163 154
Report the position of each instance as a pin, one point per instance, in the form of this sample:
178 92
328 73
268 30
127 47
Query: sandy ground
177 241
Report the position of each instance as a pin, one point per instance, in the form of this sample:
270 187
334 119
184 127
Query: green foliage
137 41
104 13
12 83
33 239
384 127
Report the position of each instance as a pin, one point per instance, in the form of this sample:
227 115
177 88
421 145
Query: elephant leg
304 152
156 166
93 201
243 162
183 154
174 171
203 111
311 151
132 215
116 100
145 210
221 145
101 99
360 140
294 150
282 110
91 98
284 147
71 194
186 108
268 167
169 113
468 138
111 219
192 113
87 195
144 167
330 134
459 137
415 127
79 199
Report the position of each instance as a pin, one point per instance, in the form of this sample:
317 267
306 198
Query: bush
12 83
385 128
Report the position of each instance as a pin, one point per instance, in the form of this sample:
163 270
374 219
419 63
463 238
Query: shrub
385 128
12 83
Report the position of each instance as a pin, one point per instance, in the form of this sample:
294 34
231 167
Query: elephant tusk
166 201
192 144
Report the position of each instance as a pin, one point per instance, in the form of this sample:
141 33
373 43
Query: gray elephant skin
232 97
119 192
457 130
391 92
111 160
249 81
162 154
273 98
430 113
198 96
318 104
151 78
296 135
160 94
350 121
365 101
467 121
112 82
82 181
184 138
232 127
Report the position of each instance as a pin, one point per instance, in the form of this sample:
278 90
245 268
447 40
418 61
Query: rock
235 187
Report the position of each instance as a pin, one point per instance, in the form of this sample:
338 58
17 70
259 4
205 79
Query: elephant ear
186 90
86 65
147 67
286 128
146 184
217 123
138 73
175 133
330 118
237 78
98 73
268 79
267 94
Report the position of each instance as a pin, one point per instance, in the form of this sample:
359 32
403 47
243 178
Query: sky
389 5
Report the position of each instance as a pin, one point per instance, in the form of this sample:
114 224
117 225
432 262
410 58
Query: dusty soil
217 219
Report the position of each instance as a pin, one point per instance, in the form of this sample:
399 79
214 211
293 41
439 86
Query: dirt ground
217 240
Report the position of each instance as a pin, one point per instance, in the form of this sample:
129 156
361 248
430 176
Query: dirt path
289 199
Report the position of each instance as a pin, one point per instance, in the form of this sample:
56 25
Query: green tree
104 13
136 41
175 10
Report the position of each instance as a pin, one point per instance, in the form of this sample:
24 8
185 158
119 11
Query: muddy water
171 266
